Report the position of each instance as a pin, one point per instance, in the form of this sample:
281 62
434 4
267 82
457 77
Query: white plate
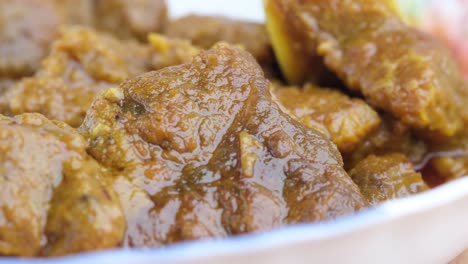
427 228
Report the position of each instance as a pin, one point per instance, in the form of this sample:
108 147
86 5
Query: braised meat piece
447 161
27 27
441 169
205 31
392 136
130 18
169 51
298 59
206 152
391 176
397 68
347 120
55 199
82 64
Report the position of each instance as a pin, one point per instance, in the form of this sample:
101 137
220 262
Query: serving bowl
425 228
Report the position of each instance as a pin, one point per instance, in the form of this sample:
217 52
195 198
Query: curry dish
122 128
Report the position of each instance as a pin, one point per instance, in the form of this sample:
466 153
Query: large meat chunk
130 18
397 68
27 27
348 121
82 64
55 199
391 176
203 151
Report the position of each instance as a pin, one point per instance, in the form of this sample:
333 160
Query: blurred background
216 7
447 19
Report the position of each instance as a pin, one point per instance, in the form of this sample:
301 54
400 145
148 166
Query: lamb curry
120 127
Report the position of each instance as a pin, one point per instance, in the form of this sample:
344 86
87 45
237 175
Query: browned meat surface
130 18
448 161
205 31
27 27
391 176
297 57
55 199
348 121
397 68
446 168
205 152
168 51
392 136
81 65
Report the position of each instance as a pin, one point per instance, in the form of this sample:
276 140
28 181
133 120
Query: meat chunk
82 64
442 169
205 31
448 161
130 18
168 52
391 176
55 199
298 59
27 27
208 153
392 136
347 120
397 68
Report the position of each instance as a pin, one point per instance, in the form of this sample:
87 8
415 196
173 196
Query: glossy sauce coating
348 120
387 177
203 151
449 161
55 199
392 136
